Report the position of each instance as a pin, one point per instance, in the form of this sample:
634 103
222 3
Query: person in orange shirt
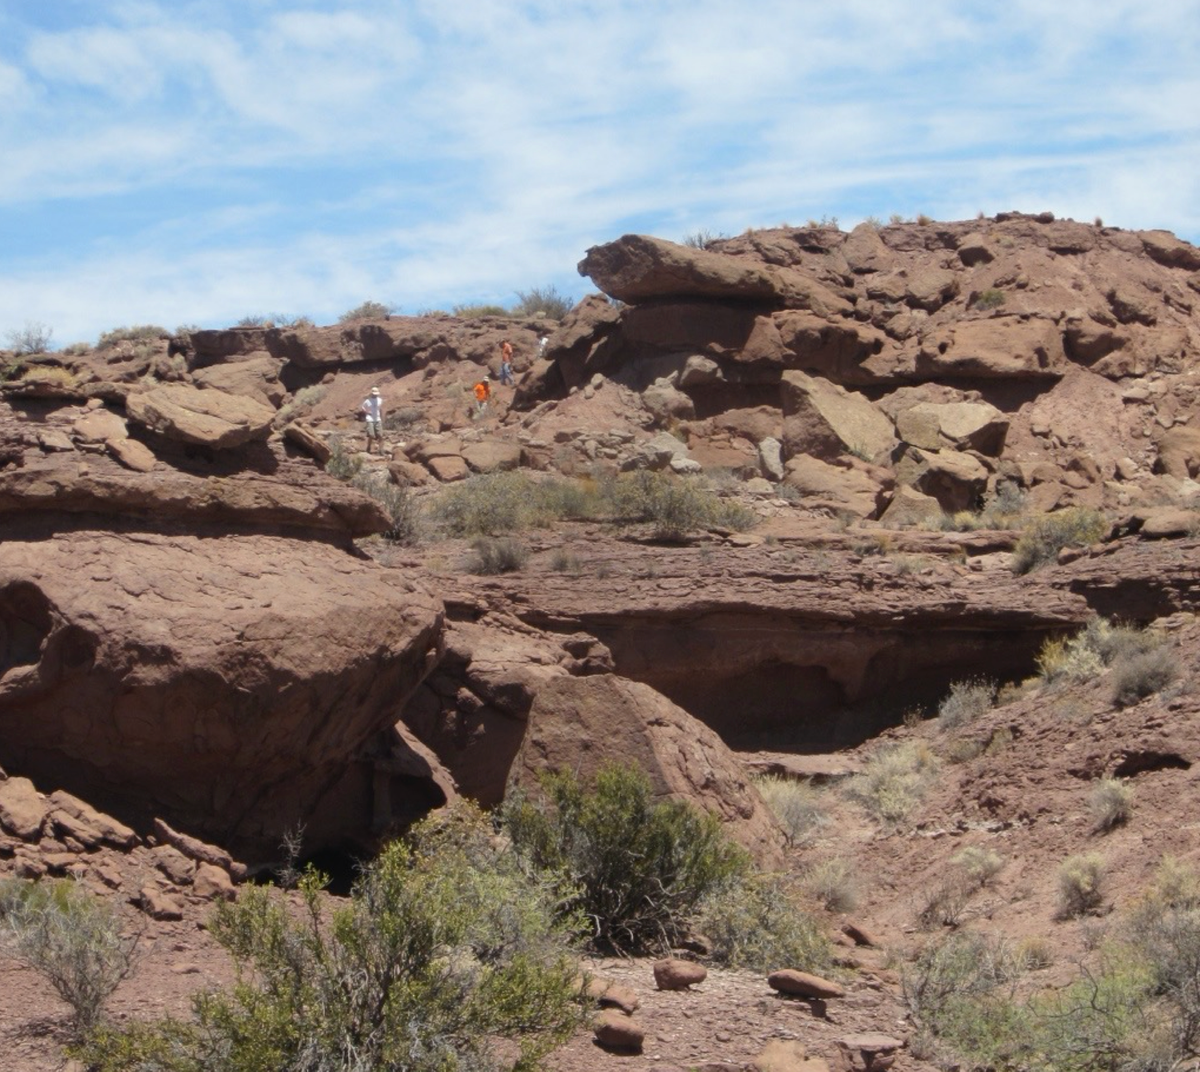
483 395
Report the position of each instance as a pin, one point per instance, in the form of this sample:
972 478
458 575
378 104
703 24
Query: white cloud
430 153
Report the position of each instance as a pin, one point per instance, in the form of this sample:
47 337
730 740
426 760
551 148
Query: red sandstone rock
675 974
802 984
616 1031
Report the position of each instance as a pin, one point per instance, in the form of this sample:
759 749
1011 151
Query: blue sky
198 161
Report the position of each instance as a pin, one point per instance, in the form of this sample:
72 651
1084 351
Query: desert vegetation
72 938
33 338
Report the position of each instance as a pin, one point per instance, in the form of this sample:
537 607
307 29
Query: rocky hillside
208 641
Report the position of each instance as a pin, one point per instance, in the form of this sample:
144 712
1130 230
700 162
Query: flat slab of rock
210 418
616 1031
675 974
802 984
638 268
868 1052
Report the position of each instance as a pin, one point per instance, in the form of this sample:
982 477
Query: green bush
498 555
490 504
966 701
635 868
544 301
444 946
1044 537
1110 804
144 333
1080 885
761 924
369 310
70 937
796 804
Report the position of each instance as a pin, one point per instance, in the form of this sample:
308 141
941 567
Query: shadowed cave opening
815 695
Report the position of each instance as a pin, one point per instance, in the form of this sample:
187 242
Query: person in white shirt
373 407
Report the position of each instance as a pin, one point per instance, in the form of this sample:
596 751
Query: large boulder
833 487
825 420
996 347
957 480
582 724
638 268
256 377
956 425
230 686
209 418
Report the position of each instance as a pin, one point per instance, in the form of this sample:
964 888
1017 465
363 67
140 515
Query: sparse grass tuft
498 554
992 298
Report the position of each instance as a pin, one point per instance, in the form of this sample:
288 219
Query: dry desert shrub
143 333
33 338
894 780
980 865
1080 885
1142 660
966 701
673 506
368 310
834 882
1110 804
542 301
1142 674
70 937
495 555
795 803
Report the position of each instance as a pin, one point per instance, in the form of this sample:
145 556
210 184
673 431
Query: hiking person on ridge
373 407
